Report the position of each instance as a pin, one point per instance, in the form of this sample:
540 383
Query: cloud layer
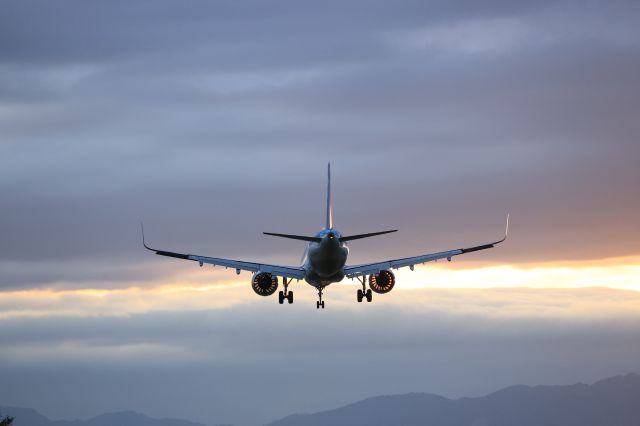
213 122
207 364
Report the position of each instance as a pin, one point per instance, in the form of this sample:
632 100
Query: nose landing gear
286 294
364 293
320 302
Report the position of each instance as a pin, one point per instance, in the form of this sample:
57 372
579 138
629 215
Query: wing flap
374 268
238 265
283 271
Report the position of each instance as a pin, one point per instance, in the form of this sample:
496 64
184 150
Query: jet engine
382 282
264 284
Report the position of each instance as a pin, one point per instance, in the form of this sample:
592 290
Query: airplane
325 262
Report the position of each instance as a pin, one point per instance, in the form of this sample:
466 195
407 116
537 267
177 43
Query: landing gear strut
286 294
364 293
320 302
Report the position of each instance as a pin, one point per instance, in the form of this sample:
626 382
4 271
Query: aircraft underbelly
326 265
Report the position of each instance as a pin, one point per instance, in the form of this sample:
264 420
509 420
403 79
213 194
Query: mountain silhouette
30 417
609 402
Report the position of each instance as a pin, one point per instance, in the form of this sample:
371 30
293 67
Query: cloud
135 315
199 117
476 36
448 341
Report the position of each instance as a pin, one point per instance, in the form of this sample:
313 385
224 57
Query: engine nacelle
382 282
264 284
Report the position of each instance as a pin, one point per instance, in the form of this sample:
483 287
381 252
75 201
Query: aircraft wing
281 271
374 268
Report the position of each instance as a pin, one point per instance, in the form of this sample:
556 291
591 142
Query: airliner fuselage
324 261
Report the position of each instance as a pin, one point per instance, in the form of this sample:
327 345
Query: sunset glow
192 292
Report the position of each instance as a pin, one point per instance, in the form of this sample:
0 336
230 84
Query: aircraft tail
329 223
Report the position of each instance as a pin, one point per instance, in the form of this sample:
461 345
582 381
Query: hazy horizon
347 413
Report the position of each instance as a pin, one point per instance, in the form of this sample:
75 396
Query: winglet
143 242
506 231
490 245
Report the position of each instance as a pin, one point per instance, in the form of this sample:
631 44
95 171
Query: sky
213 121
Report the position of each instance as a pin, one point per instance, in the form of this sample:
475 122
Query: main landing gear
364 293
286 294
320 302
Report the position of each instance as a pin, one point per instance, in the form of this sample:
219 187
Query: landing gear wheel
364 293
286 294
320 302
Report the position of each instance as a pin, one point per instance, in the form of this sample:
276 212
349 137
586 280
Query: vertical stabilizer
329 224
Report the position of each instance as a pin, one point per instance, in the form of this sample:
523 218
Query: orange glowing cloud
515 286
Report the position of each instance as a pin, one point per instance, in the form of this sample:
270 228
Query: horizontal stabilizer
295 237
372 234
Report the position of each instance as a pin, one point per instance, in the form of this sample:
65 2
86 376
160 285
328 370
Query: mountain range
610 402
